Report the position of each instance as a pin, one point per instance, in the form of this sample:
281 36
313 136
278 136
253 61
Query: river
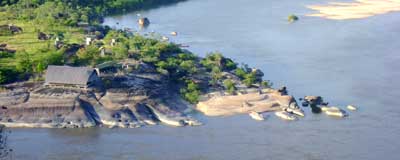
345 61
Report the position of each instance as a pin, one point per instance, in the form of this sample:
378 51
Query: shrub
191 92
24 62
5 54
265 84
250 79
217 60
8 75
240 72
229 86
215 76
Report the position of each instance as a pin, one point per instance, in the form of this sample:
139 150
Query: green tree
88 55
265 84
24 62
240 72
40 67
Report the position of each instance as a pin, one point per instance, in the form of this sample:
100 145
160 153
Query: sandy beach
354 10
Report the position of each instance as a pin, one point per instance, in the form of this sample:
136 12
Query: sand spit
354 10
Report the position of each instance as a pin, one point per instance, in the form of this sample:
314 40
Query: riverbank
354 10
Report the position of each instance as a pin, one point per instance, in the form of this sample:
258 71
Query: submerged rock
285 115
256 116
305 104
334 111
298 111
352 108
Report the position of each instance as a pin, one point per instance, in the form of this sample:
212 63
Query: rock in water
313 100
293 18
305 104
352 108
144 21
164 38
257 116
286 116
334 111
315 109
296 111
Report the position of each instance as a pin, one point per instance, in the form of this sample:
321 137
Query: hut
66 76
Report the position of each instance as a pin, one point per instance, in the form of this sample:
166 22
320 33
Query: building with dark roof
81 77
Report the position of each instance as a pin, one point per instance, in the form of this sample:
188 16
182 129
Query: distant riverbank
354 10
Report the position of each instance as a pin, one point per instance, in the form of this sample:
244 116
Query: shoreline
357 9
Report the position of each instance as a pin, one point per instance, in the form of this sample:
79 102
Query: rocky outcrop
13 97
313 100
267 100
128 101
44 108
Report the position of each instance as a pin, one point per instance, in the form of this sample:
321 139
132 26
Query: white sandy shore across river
354 10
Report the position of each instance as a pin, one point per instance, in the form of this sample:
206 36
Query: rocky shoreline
45 107
129 100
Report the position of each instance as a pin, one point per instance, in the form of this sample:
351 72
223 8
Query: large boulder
313 100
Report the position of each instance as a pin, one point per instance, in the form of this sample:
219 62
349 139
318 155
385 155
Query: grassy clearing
28 41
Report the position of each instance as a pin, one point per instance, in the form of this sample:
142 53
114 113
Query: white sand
354 10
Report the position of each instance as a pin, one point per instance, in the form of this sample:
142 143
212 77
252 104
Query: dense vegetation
71 12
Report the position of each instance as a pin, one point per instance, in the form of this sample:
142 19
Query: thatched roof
68 75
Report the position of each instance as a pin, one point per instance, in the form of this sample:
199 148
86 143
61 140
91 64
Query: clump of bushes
191 92
216 59
247 76
230 86
7 75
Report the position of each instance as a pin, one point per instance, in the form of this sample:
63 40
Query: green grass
28 41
